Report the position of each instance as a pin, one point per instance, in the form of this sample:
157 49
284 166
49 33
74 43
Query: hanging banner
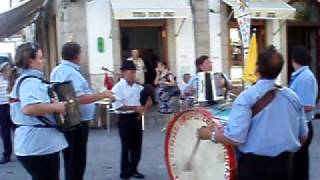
244 21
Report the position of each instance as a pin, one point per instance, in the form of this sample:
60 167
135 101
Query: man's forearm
220 138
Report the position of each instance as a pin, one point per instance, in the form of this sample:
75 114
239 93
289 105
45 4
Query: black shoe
138 175
4 160
125 176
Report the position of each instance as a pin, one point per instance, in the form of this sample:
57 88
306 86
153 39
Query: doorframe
261 39
162 24
306 26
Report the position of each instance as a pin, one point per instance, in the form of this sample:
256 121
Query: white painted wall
215 35
8 47
99 24
185 47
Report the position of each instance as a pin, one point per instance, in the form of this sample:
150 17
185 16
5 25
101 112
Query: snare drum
209 161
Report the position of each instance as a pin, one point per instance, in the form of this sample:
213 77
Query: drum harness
264 100
46 122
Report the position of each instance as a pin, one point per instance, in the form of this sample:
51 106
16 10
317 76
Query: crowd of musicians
269 126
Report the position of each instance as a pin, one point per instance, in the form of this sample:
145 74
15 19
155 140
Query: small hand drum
187 158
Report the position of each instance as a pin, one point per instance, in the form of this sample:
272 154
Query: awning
266 9
16 19
150 9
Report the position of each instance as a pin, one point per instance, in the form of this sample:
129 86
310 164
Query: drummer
265 140
204 64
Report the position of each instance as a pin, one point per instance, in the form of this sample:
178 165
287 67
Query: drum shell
230 163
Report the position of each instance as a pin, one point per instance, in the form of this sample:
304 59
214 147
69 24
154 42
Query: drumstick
190 161
142 121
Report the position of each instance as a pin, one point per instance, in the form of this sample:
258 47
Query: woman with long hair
37 145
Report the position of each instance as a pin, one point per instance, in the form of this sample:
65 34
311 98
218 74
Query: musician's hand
108 94
205 133
222 82
59 107
139 109
148 104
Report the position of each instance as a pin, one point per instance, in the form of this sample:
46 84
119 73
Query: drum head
186 160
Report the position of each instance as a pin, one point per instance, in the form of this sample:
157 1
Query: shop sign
153 14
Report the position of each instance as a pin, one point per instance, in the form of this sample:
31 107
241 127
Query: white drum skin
210 161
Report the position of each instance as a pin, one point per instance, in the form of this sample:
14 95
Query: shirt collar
122 80
300 70
32 72
266 83
69 63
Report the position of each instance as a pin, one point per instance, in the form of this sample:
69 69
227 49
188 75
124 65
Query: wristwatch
213 138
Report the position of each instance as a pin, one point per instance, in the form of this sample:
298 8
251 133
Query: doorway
149 37
307 37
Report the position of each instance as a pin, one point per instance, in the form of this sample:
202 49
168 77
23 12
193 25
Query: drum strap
46 122
264 101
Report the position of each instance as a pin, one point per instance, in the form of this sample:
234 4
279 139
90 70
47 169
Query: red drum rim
230 152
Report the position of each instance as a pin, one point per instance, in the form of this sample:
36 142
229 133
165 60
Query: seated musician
129 106
69 70
204 64
37 145
266 133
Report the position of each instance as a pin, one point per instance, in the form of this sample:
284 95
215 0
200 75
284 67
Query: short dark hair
200 60
70 51
270 63
300 55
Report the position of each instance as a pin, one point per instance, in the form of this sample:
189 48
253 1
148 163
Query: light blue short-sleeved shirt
68 71
277 128
28 140
305 85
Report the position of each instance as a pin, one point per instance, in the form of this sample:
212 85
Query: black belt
251 155
4 105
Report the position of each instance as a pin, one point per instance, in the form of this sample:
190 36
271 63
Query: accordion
208 87
64 92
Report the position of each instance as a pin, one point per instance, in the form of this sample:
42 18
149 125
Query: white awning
266 9
16 19
150 9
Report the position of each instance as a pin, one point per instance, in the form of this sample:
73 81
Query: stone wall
72 26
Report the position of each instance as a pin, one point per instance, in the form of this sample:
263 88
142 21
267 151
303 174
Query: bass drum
187 158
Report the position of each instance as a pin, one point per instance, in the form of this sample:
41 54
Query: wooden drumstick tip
188 167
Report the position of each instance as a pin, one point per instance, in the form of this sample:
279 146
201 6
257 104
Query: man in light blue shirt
69 70
267 139
305 85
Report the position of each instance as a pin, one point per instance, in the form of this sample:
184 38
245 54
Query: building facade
175 31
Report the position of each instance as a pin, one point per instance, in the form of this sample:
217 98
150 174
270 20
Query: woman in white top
138 62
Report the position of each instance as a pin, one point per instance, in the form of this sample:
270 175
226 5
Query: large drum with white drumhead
188 158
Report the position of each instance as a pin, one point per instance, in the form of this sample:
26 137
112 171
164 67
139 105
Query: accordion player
208 87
